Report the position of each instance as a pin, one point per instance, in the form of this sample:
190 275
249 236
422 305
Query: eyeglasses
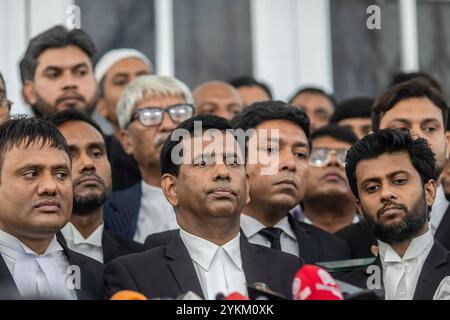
153 116
320 157
4 101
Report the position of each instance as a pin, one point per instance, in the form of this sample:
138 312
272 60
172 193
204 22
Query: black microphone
261 291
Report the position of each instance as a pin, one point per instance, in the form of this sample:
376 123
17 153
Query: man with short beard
57 72
415 105
393 177
91 175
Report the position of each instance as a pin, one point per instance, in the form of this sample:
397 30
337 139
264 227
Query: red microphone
236 296
314 283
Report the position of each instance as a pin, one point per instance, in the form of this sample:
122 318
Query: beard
43 109
409 227
84 205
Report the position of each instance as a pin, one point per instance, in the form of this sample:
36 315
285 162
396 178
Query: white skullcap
112 57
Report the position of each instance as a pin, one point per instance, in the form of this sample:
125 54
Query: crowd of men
84 215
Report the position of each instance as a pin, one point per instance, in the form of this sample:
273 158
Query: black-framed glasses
153 116
320 157
4 101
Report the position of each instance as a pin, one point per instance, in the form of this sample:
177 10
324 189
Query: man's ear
28 92
126 142
359 207
430 192
447 142
248 190
169 188
101 107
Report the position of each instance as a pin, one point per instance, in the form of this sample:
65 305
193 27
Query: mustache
71 94
89 175
391 205
223 187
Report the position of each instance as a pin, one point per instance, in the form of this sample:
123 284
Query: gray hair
147 86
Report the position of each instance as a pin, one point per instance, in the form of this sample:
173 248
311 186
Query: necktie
273 235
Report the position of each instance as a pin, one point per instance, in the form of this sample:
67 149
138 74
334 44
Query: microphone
236 296
314 283
189 296
128 295
261 291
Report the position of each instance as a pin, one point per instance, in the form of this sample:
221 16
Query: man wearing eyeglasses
148 110
329 203
114 71
5 104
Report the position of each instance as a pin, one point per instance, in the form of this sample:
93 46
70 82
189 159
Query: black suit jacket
435 268
168 271
124 168
443 231
315 245
113 245
91 286
121 211
359 238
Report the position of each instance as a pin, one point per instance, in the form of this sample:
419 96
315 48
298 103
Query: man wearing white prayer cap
114 71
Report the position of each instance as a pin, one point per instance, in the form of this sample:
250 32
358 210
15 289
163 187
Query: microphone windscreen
314 283
128 295
236 296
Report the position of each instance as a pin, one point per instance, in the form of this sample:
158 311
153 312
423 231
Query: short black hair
260 112
56 37
406 76
248 81
359 107
414 88
388 141
67 115
314 90
19 130
208 121
336 132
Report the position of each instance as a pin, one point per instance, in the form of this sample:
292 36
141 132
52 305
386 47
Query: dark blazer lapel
443 231
8 288
110 247
182 267
253 263
123 212
429 278
131 211
368 273
86 284
309 252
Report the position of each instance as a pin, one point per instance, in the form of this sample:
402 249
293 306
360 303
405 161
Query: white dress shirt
251 227
438 209
90 246
219 269
156 214
400 275
37 276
